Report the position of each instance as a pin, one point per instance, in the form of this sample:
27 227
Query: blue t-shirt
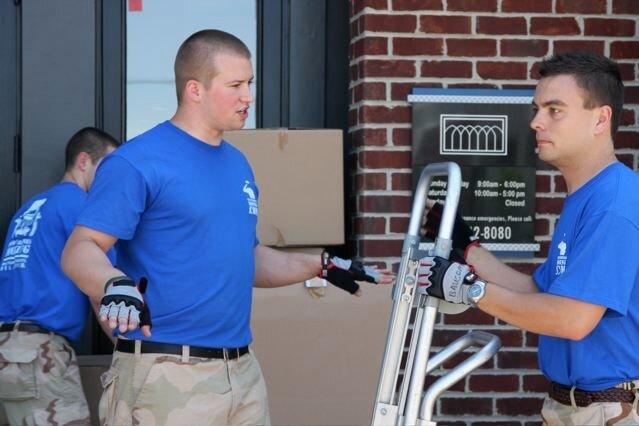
32 284
594 257
185 214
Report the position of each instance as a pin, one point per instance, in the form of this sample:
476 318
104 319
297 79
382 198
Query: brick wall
400 44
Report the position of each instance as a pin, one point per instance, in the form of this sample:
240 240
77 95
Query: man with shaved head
182 204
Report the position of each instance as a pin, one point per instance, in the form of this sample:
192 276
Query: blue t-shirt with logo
185 215
32 284
594 257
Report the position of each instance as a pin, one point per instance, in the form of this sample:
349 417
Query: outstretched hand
347 274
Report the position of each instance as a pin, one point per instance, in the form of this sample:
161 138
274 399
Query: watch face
474 290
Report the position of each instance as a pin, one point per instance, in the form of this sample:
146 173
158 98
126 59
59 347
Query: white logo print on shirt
560 266
250 198
19 247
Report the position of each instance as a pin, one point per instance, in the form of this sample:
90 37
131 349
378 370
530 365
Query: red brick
579 45
386 68
493 383
470 316
473 5
417 46
447 69
443 338
517 359
370 46
417 5
370 181
457 406
519 406
401 137
542 227
402 182
609 27
474 47
445 24
627 159
399 225
524 48
542 183
355 28
389 23
509 338
542 253
369 137
457 387
370 225
382 114
560 184
502 70
630 7
627 71
549 205
534 70
628 117
473 86
380 248
384 159
493 25
359 5
581 6
554 26
532 339
369 91
400 91
384 204
624 49
631 95
535 383
538 6
626 139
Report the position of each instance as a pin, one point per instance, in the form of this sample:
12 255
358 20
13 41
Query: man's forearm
88 267
274 268
541 313
489 268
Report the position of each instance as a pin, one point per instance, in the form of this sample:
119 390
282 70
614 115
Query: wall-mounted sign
487 133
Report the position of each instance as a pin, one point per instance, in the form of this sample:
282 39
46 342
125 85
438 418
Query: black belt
146 347
28 327
583 398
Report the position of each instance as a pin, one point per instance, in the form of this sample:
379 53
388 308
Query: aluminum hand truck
400 402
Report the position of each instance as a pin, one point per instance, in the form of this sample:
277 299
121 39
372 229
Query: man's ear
82 161
604 119
192 91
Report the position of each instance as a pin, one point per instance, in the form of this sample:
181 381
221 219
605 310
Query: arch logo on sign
462 134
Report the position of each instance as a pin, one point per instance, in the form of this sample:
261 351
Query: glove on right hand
343 273
445 280
463 237
123 299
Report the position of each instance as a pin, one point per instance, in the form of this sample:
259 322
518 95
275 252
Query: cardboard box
299 174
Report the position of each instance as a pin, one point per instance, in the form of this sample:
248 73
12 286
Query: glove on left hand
445 280
343 273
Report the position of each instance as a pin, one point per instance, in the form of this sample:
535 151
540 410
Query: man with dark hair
40 308
181 202
583 299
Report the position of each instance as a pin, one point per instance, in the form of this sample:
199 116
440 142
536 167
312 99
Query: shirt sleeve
116 200
602 267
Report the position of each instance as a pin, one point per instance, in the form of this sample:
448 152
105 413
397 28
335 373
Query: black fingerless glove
344 273
463 237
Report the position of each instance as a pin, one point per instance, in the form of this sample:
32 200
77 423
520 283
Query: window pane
154 35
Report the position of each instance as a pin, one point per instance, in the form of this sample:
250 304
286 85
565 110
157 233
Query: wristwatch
476 292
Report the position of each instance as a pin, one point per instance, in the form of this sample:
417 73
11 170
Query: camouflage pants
158 389
554 413
40 380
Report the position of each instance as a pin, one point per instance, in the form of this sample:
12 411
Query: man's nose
537 123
